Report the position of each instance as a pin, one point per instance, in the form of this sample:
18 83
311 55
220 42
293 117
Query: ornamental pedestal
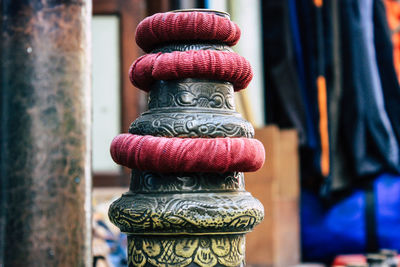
186 218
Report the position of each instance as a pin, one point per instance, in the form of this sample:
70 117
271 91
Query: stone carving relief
205 251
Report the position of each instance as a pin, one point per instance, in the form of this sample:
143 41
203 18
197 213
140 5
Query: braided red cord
162 154
167 27
206 64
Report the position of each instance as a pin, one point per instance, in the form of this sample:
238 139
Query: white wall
247 14
106 90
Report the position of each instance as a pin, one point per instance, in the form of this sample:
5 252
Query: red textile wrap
166 155
167 27
206 64
344 260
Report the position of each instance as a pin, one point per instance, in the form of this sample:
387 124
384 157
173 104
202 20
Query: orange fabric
393 17
318 3
323 125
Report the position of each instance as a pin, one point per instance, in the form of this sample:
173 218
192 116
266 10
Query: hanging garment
315 38
369 143
296 92
283 96
300 68
340 169
384 57
327 83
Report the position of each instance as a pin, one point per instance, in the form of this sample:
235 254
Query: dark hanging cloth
311 140
384 57
346 45
315 38
365 131
284 105
289 96
342 173
339 165
329 68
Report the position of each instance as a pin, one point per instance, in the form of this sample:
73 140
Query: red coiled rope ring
169 27
206 64
171 155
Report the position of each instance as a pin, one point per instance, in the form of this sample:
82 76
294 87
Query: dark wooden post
45 133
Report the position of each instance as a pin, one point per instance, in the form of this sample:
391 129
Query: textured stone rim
203 10
187 213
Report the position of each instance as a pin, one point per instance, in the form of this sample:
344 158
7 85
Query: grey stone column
45 133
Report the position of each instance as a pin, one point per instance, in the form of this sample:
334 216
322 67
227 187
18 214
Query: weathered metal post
45 133
187 205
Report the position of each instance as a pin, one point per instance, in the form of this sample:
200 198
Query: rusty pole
45 133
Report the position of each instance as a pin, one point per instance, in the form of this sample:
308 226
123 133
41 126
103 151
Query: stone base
185 250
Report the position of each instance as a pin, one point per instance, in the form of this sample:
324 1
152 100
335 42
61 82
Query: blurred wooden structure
276 241
133 101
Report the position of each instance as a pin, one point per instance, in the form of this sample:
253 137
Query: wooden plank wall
276 241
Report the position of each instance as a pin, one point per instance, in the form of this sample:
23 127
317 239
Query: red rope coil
168 27
206 64
170 155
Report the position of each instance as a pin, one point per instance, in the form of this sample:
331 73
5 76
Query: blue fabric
119 252
340 229
388 214
118 246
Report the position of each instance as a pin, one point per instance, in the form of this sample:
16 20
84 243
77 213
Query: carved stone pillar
188 219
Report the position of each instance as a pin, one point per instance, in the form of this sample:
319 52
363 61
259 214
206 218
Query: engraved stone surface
203 251
228 212
192 108
192 93
145 182
191 124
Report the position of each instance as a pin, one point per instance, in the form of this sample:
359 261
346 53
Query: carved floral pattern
205 251
192 93
191 125
145 181
234 212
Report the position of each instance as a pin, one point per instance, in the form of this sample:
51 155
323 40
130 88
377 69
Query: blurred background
325 102
328 70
